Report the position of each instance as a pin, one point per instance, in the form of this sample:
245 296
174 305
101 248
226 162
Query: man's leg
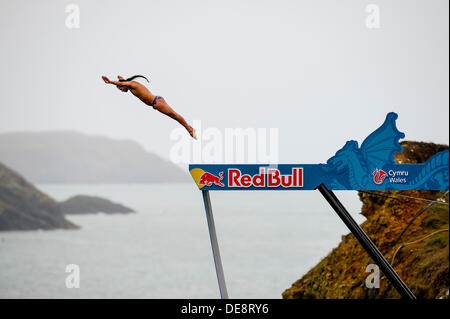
165 108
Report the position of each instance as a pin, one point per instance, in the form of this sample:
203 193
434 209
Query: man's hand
123 86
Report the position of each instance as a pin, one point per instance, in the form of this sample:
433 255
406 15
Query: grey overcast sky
308 67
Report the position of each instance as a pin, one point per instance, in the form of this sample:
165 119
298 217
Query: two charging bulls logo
378 176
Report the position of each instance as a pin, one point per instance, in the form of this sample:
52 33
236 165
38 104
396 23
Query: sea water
267 241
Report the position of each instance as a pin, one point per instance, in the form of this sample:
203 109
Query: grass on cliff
423 265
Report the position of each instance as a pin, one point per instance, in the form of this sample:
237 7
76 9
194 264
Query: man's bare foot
192 132
106 79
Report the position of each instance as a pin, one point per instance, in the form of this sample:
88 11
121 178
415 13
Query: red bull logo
378 176
208 179
265 177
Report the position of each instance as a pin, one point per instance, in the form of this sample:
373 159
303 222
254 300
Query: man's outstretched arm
128 84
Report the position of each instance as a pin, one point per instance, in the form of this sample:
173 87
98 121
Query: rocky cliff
422 262
24 207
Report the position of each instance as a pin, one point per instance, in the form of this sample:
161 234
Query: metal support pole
215 246
367 244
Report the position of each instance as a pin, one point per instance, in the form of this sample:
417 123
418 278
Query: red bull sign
370 166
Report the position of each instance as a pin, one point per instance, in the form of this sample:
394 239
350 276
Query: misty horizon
311 69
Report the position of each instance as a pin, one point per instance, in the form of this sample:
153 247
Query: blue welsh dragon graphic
354 167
